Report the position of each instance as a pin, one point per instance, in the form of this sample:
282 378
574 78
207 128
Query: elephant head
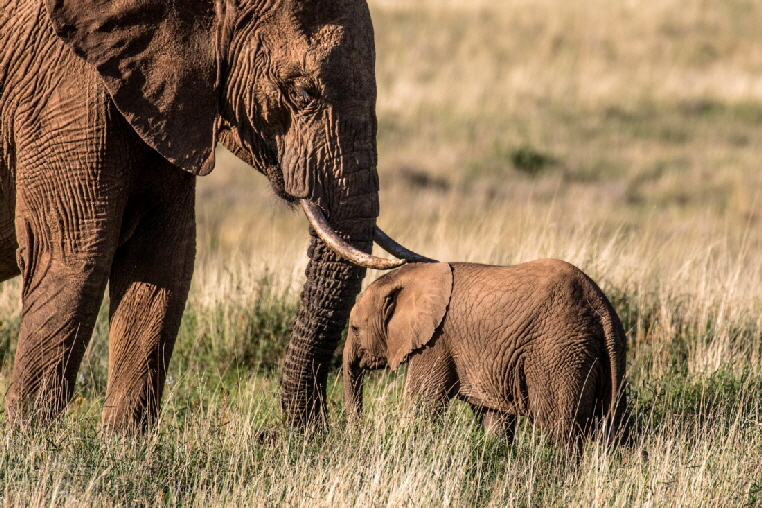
397 315
286 85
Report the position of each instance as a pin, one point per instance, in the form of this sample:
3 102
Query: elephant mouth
342 248
274 174
328 235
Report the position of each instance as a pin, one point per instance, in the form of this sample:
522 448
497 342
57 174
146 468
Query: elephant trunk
340 198
329 292
353 382
334 274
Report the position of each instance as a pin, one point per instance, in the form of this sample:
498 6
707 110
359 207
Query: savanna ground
624 136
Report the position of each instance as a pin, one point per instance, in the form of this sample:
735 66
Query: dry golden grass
624 136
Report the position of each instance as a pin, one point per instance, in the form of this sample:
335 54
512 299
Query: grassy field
624 136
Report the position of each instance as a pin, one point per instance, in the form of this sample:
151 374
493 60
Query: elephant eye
355 330
302 96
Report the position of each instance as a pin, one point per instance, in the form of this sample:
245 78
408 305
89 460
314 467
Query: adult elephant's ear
158 60
416 307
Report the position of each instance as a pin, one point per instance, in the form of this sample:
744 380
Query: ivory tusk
392 247
339 245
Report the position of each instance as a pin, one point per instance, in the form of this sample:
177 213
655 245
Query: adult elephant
108 112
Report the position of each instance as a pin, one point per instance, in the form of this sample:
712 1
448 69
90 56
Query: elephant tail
613 394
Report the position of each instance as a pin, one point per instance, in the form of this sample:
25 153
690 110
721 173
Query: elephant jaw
338 245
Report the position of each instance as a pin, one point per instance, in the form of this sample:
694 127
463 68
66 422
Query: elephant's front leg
148 288
67 226
431 380
60 301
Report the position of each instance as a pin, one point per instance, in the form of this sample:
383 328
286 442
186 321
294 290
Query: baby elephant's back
542 320
545 294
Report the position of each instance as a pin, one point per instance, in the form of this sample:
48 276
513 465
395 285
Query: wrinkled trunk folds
327 298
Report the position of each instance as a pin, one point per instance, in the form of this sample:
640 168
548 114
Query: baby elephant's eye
354 329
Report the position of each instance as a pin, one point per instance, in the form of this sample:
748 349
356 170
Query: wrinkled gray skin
537 339
108 111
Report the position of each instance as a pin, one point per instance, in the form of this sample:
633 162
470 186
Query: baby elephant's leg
496 423
431 380
499 424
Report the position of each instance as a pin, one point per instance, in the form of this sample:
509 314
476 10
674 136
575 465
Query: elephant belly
488 397
487 379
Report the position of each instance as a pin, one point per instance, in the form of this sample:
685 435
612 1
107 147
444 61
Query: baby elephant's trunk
353 380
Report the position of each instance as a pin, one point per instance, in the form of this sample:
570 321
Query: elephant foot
27 407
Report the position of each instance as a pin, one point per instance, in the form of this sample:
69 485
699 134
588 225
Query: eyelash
302 96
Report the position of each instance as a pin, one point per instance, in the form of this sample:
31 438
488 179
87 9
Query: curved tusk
339 245
389 245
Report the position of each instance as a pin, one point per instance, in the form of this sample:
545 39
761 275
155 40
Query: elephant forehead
300 54
362 310
321 44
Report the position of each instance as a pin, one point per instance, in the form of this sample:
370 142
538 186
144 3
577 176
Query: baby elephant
539 339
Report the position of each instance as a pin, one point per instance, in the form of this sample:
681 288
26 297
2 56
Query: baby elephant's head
398 314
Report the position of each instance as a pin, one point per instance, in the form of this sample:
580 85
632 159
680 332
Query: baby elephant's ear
421 300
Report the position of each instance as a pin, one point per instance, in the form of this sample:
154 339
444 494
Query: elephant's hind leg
562 403
148 287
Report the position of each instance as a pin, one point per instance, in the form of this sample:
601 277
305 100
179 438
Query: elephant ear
158 60
418 305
